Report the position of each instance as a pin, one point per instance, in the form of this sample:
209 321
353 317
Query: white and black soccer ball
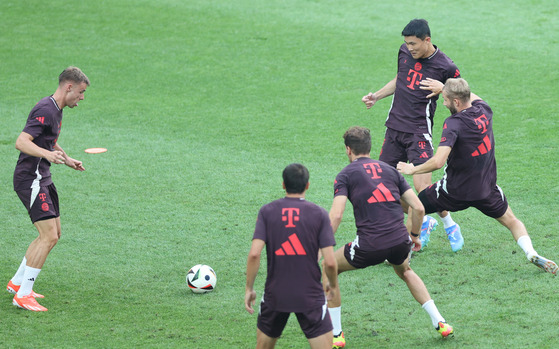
201 278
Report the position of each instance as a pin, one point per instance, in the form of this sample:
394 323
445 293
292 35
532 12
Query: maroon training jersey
43 123
294 230
471 169
411 111
374 189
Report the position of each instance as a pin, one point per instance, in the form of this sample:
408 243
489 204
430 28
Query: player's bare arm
417 213
474 97
386 91
337 211
433 164
24 143
331 270
70 162
435 86
253 264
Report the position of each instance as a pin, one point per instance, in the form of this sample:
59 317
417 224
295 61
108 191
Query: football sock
526 244
18 277
433 312
29 277
336 316
448 221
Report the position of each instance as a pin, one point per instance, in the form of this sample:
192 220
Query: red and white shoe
28 302
14 288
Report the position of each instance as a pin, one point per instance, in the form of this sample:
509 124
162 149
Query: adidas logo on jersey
292 247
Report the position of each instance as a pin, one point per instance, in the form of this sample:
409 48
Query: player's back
374 189
471 167
294 230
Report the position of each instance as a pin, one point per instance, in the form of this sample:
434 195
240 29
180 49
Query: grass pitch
202 104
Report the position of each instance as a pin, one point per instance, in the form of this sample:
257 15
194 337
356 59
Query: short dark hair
295 178
358 139
73 74
417 27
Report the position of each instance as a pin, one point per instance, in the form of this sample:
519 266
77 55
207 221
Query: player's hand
416 243
330 291
404 168
432 85
55 157
250 297
73 163
369 100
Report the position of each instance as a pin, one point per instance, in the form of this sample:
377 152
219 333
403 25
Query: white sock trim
336 317
433 312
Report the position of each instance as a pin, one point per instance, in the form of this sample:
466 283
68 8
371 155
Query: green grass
202 104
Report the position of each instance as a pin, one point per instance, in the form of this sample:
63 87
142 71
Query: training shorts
314 323
416 148
494 205
41 202
362 259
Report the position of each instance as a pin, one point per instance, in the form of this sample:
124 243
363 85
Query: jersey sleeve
260 229
35 124
340 185
452 72
450 133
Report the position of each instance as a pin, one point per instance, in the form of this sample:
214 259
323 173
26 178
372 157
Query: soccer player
38 144
409 124
294 231
375 190
468 148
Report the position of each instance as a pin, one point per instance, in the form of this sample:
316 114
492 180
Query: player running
468 148
375 190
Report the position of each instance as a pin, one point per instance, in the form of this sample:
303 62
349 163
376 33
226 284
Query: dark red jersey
374 188
294 230
411 111
43 124
471 169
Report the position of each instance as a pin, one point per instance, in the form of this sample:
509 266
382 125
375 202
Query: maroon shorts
362 259
41 203
402 146
314 323
494 205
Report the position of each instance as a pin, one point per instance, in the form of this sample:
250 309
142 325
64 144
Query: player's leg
419 148
36 255
420 293
49 233
263 341
520 234
321 342
269 326
335 303
317 327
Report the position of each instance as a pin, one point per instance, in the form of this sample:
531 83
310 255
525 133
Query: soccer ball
201 278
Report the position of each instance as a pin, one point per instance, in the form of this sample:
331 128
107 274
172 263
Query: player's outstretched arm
433 164
388 90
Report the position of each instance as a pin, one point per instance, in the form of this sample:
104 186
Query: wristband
414 235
